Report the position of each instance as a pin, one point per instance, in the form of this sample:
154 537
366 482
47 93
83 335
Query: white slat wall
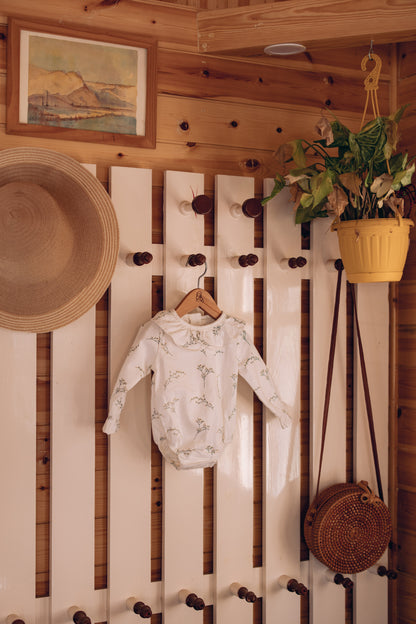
72 416
282 448
183 490
130 449
234 471
327 599
17 474
72 468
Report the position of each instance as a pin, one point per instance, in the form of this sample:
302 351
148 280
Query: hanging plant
353 176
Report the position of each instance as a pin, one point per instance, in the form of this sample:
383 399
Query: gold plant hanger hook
371 82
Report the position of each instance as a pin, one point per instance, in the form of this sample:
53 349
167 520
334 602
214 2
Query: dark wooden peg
246 595
252 207
344 581
300 261
142 257
296 263
142 609
201 204
193 601
248 260
196 260
14 619
383 571
298 588
80 617
338 264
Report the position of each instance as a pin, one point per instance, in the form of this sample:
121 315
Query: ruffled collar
196 331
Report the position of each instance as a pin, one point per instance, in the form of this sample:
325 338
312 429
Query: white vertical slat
370 595
183 489
130 448
72 467
234 471
327 599
281 541
18 474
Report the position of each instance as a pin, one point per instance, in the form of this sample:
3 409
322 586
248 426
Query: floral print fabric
195 368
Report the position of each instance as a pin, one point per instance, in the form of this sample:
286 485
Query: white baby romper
196 362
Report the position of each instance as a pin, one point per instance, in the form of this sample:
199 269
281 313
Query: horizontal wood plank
323 23
172 25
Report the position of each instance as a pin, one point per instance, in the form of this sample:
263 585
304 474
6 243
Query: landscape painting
83 85
92 90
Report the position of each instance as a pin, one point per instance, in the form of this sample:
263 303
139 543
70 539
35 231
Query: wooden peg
14 619
293 263
381 570
250 208
197 259
248 260
201 204
78 616
242 592
139 258
292 585
334 265
344 581
138 607
191 600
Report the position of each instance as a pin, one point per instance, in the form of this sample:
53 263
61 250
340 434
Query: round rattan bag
347 527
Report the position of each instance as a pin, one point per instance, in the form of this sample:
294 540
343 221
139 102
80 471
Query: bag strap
339 266
367 398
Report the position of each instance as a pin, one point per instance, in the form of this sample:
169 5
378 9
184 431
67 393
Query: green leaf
298 153
279 184
321 187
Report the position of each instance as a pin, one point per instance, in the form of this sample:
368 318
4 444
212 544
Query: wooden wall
404 432
237 111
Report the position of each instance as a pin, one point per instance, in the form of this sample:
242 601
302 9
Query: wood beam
317 24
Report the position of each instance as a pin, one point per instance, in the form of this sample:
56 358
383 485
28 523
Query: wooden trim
323 23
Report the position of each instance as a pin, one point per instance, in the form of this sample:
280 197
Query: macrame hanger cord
371 83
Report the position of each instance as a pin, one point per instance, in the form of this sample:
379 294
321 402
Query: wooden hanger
198 298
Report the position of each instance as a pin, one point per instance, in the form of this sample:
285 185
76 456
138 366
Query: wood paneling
321 24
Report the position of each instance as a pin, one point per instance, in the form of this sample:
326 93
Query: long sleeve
137 365
253 369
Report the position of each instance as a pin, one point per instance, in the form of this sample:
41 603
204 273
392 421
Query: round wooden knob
383 571
338 264
252 207
300 261
80 617
201 204
196 260
246 595
340 579
14 619
248 260
142 257
142 609
193 601
298 588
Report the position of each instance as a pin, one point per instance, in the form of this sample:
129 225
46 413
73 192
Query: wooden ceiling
245 27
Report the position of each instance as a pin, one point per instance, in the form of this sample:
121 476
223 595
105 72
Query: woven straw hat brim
59 240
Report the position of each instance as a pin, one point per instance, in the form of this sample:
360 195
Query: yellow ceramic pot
373 250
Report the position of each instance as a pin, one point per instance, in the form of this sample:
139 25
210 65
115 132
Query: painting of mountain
84 85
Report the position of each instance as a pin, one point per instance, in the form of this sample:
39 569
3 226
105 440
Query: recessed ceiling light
284 49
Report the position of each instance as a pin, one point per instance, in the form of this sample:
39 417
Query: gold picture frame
71 84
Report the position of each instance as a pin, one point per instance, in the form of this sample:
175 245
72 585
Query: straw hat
58 239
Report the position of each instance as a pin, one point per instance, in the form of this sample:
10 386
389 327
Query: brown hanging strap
339 267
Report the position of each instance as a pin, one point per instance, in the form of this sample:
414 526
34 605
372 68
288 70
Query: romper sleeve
254 370
137 365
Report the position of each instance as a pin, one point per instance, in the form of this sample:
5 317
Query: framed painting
81 86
